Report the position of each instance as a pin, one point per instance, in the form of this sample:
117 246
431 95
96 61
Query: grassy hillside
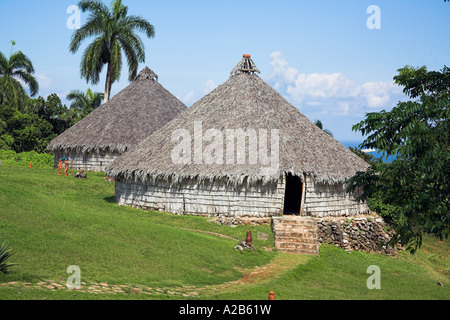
53 222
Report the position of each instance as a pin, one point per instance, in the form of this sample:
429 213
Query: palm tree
84 102
114 32
12 71
5 253
320 125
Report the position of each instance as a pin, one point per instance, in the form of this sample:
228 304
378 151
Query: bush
39 160
5 254
388 212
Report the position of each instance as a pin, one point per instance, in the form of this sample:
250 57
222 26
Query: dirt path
273 270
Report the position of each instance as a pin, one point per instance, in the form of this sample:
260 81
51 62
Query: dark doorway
293 194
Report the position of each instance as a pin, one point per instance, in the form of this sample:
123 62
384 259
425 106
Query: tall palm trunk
108 84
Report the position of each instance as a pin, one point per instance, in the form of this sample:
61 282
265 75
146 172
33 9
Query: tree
13 70
84 103
416 184
369 158
35 125
114 32
320 125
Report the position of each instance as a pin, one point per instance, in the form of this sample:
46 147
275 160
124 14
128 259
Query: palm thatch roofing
130 116
244 101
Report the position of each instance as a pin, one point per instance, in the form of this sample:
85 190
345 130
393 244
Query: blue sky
320 55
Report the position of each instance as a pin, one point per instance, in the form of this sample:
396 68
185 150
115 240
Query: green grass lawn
52 222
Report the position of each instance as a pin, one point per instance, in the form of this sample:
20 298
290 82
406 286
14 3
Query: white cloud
330 92
189 98
209 86
281 70
44 81
192 96
321 85
342 109
378 94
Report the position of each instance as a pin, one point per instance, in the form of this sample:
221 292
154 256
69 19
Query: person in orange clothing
59 167
66 167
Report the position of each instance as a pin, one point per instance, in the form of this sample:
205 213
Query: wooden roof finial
246 65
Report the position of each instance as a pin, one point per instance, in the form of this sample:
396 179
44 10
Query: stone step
296 223
297 245
296 231
297 235
296 241
302 234
299 251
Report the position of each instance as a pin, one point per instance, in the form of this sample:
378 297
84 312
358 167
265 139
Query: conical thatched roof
130 116
245 102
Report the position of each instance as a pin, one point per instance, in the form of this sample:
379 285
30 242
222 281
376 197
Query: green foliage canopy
84 103
34 124
416 184
319 124
18 67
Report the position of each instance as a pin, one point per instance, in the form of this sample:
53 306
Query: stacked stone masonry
367 233
302 235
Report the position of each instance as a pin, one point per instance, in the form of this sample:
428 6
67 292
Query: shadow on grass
109 199
18 276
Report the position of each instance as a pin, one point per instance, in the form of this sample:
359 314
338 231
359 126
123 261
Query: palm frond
140 24
20 61
132 58
95 6
92 61
116 60
5 254
3 63
28 79
318 123
92 27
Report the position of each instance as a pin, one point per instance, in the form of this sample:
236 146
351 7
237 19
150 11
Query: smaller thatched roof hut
116 126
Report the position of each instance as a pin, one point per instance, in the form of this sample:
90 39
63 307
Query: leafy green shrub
39 160
5 254
389 213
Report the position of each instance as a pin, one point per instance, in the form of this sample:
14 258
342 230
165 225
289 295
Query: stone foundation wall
364 233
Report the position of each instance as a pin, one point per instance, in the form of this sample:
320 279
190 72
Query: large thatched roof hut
116 126
242 150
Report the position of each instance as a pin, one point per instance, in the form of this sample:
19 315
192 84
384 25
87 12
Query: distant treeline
10 158
31 125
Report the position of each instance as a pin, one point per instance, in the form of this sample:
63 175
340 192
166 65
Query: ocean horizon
356 143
